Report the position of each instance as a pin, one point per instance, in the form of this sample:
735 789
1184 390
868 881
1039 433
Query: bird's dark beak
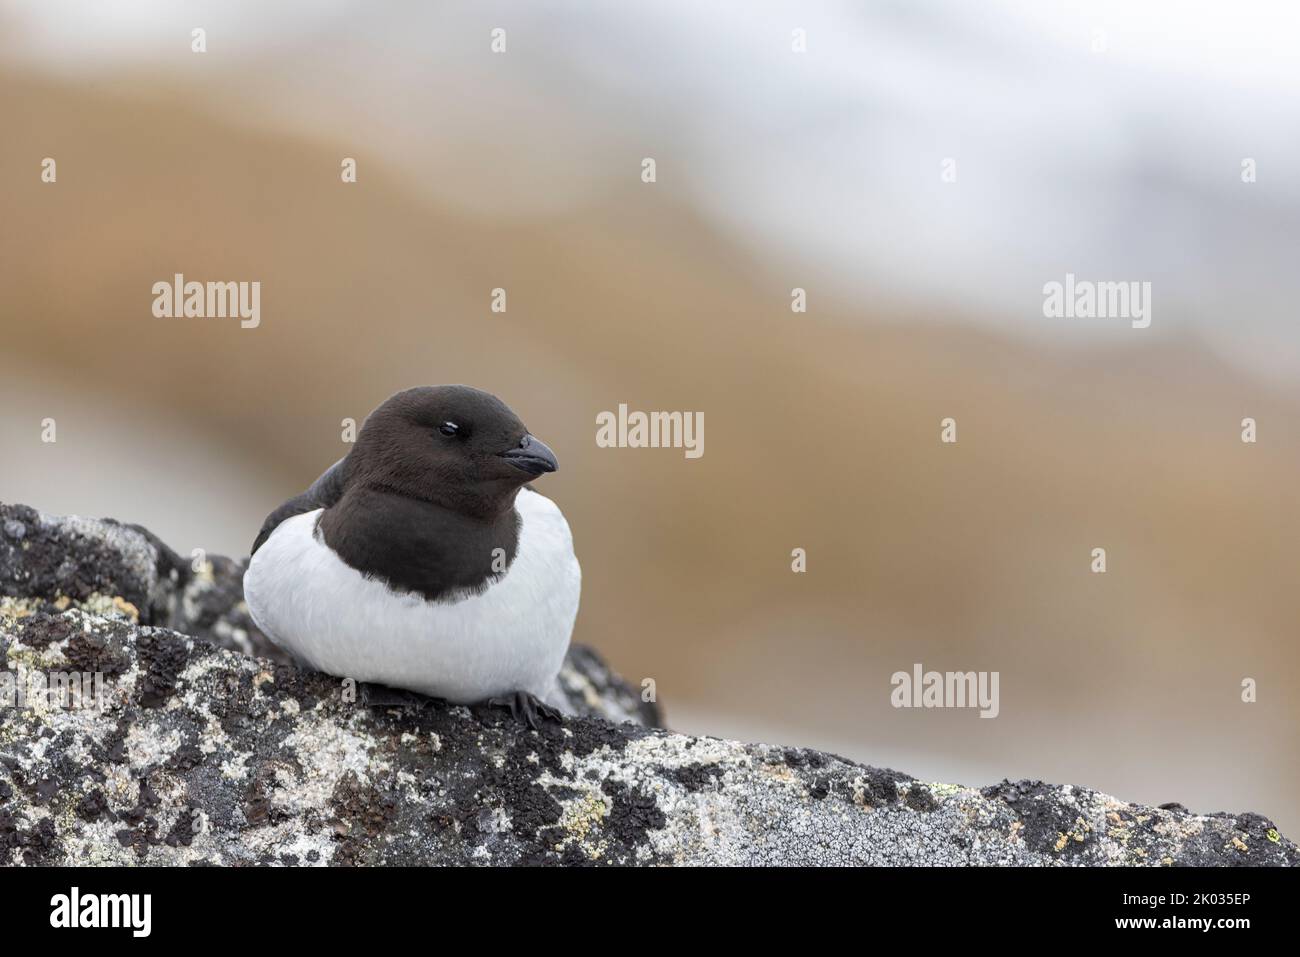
532 456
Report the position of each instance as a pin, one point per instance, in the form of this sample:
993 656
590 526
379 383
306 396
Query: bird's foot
526 707
382 696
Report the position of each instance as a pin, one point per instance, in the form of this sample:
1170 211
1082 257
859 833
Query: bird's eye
449 428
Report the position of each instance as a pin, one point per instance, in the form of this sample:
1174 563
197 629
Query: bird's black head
451 445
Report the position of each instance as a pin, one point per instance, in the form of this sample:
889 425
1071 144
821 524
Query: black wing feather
324 492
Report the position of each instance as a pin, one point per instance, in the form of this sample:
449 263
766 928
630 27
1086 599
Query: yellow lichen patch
1077 834
124 606
580 820
102 606
15 608
96 604
37 659
941 791
781 773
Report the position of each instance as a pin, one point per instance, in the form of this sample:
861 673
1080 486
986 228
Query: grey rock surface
204 746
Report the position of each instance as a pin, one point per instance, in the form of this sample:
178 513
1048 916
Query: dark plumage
425 498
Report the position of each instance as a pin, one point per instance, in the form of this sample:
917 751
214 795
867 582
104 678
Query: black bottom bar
336 906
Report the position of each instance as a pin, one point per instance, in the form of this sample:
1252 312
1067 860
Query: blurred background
1104 139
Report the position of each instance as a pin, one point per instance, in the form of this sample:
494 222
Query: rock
202 753
104 568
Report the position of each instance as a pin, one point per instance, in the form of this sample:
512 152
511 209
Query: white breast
512 637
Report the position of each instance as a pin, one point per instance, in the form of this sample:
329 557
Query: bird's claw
526 707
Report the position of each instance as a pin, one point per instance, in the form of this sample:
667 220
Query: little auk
422 560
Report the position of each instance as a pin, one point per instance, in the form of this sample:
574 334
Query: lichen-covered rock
195 753
52 563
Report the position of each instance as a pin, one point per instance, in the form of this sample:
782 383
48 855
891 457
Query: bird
425 561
